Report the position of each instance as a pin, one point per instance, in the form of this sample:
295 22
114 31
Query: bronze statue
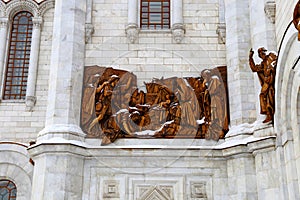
296 18
113 106
266 74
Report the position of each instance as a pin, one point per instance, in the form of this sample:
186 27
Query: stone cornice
220 151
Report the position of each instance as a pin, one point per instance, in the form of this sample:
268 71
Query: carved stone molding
2 9
37 22
270 10
46 5
161 192
14 6
3 22
178 32
221 31
30 102
89 30
132 32
25 5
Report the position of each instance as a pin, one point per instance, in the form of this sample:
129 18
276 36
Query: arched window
8 190
18 57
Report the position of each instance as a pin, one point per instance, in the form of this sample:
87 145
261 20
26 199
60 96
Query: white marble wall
17 124
156 54
240 80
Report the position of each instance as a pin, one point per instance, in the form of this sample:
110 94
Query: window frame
22 95
140 12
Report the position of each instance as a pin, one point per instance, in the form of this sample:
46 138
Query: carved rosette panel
111 189
192 107
198 190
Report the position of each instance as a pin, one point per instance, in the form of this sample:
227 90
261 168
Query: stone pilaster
58 154
3 42
66 71
33 63
242 178
240 77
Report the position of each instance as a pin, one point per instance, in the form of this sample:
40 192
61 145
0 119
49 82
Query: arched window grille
8 190
18 56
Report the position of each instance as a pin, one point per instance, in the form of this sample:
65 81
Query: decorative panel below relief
149 187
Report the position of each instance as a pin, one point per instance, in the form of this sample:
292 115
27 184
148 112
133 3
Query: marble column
33 63
177 20
132 28
59 153
240 78
3 42
66 72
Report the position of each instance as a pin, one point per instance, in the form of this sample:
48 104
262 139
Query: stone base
257 129
63 131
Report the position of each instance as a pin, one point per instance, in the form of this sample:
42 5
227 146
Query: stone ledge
247 146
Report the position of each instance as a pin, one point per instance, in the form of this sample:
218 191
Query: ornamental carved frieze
37 1
9 8
191 107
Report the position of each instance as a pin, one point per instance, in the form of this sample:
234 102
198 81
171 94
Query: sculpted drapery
193 107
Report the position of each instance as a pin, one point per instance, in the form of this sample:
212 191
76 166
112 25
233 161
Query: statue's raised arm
253 66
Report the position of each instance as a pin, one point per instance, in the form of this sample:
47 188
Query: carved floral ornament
191 107
8 8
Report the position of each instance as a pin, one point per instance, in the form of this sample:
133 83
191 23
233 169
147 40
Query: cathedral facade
149 99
